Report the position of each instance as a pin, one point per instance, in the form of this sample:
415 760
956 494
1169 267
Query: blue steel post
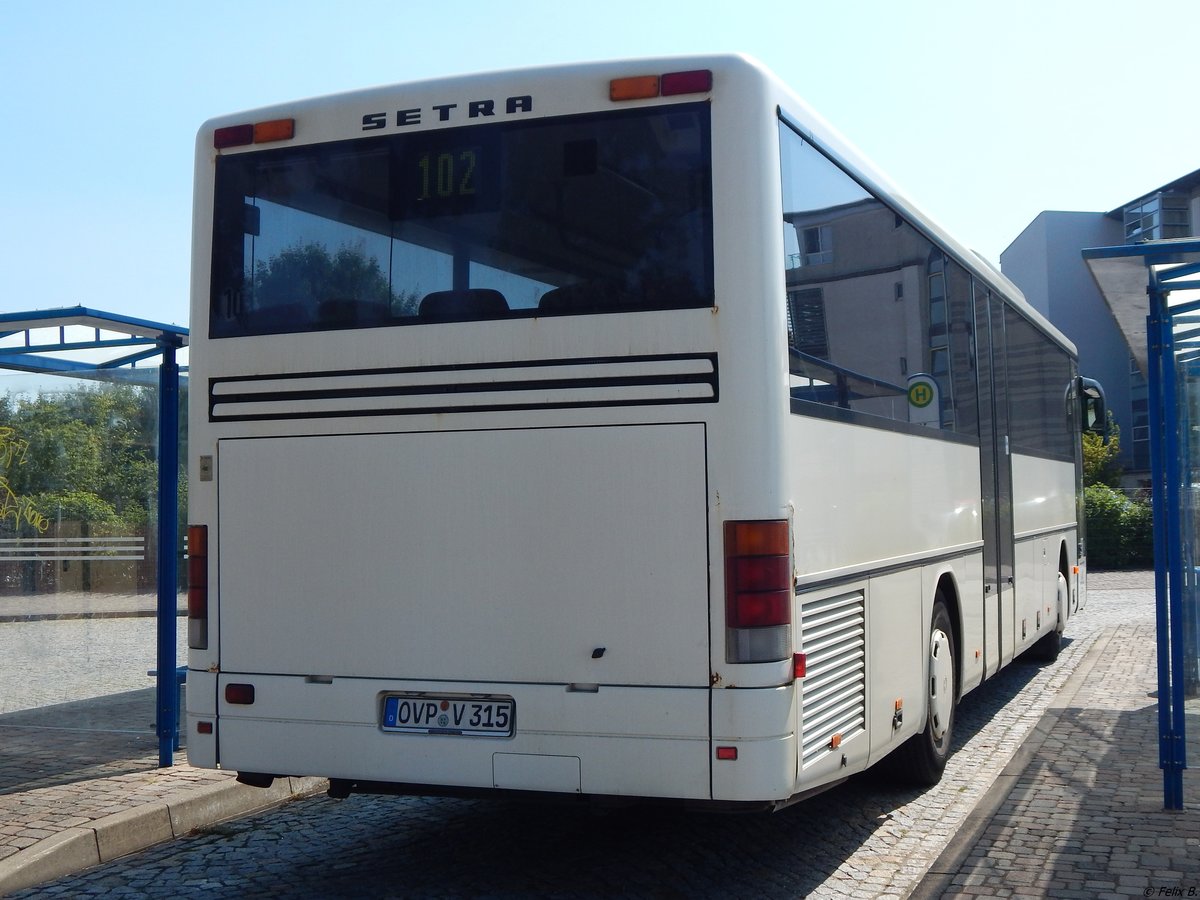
1166 578
167 722
1174 484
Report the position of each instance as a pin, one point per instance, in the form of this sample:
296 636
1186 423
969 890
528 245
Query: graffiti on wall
17 509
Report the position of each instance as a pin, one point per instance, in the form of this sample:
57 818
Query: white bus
610 430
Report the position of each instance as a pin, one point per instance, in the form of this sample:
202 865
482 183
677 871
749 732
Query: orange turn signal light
763 537
275 130
637 88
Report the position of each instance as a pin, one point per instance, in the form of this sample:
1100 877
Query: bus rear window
587 214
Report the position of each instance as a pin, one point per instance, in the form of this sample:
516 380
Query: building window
1158 217
818 245
1140 433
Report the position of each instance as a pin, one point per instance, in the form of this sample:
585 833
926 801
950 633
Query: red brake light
759 609
760 573
233 136
699 81
197 595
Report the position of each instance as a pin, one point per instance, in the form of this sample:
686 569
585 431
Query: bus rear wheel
922 758
1047 647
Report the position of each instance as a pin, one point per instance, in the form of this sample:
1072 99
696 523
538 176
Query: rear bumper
650 742
621 741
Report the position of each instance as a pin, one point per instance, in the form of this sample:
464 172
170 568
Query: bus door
995 461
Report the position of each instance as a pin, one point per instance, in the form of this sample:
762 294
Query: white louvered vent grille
834 699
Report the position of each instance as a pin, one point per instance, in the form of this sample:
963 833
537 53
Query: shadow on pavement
1090 810
84 739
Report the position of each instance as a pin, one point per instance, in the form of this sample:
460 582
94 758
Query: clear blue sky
985 113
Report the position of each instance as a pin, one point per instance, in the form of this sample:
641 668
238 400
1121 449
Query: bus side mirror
1092 408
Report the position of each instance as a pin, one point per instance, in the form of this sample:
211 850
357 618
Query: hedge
1119 530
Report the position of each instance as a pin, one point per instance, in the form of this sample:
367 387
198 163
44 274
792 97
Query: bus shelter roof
1121 274
85 343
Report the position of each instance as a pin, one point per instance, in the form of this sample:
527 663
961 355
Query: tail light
758 591
197 569
672 84
254 133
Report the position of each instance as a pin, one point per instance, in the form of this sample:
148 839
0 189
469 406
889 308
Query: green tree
86 454
1119 528
330 283
1100 458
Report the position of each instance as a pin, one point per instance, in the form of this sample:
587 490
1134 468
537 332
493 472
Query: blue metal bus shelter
89 344
1158 283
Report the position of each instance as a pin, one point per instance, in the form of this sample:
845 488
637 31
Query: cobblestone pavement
56 737
1087 801
1081 814
78 749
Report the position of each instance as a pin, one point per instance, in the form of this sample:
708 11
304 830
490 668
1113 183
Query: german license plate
467 716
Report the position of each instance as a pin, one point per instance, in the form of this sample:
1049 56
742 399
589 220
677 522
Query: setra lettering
448 112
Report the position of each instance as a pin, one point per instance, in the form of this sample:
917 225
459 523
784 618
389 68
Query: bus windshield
582 214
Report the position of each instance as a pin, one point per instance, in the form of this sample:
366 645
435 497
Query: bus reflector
197 592
799 665
241 694
204 727
727 753
758 591
698 82
637 88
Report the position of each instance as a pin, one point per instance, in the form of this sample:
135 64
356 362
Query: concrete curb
106 839
939 877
